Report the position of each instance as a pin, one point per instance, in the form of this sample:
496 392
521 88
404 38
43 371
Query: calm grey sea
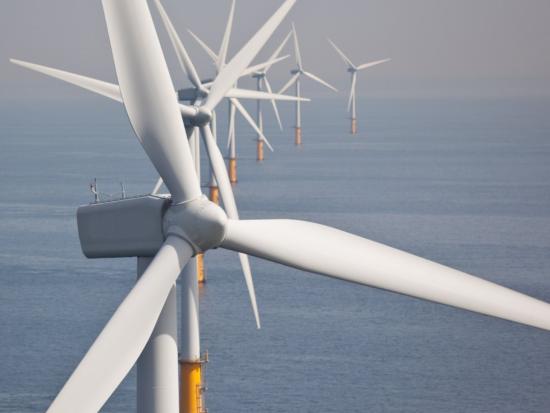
462 182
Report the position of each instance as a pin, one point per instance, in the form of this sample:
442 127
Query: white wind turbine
201 98
172 229
353 69
262 82
200 89
295 80
260 74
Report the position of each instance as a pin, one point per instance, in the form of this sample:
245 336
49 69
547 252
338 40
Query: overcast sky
448 48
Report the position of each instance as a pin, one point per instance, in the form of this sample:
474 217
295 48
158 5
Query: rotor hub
203 116
199 222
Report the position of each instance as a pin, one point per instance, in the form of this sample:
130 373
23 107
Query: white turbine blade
231 128
231 72
109 90
183 57
263 67
342 55
277 51
119 345
226 191
297 47
334 253
157 187
250 121
292 80
205 47
319 80
259 95
371 64
222 55
273 103
352 90
153 111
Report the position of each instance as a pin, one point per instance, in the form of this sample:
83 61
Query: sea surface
462 182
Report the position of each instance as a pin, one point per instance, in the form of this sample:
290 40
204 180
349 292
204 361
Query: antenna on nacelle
93 190
123 190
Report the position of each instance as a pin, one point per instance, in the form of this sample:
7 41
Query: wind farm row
170 229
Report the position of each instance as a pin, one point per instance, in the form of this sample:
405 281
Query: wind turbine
200 89
353 69
295 80
219 61
167 231
261 82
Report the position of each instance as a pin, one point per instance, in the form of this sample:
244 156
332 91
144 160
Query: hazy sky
439 47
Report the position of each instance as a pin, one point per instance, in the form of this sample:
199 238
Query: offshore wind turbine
262 82
165 232
353 70
219 61
295 80
200 89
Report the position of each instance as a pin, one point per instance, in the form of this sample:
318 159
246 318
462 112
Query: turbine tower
295 80
353 70
165 232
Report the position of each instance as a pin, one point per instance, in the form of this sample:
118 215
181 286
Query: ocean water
462 182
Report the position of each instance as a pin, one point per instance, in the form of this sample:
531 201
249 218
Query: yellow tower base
215 194
298 136
354 126
201 273
260 156
191 388
233 170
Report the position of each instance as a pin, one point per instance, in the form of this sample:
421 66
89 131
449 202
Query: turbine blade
153 111
273 103
341 53
231 128
277 51
222 55
259 95
334 253
371 64
205 47
352 90
183 57
292 80
231 72
157 187
263 67
319 80
220 172
250 121
109 90
119 345
297 47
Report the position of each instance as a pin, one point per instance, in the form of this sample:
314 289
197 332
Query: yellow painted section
191 400
260 156
233 170
201 274
354 126
215 194
298 136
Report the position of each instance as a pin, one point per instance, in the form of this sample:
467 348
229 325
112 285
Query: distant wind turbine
353 69
295 80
